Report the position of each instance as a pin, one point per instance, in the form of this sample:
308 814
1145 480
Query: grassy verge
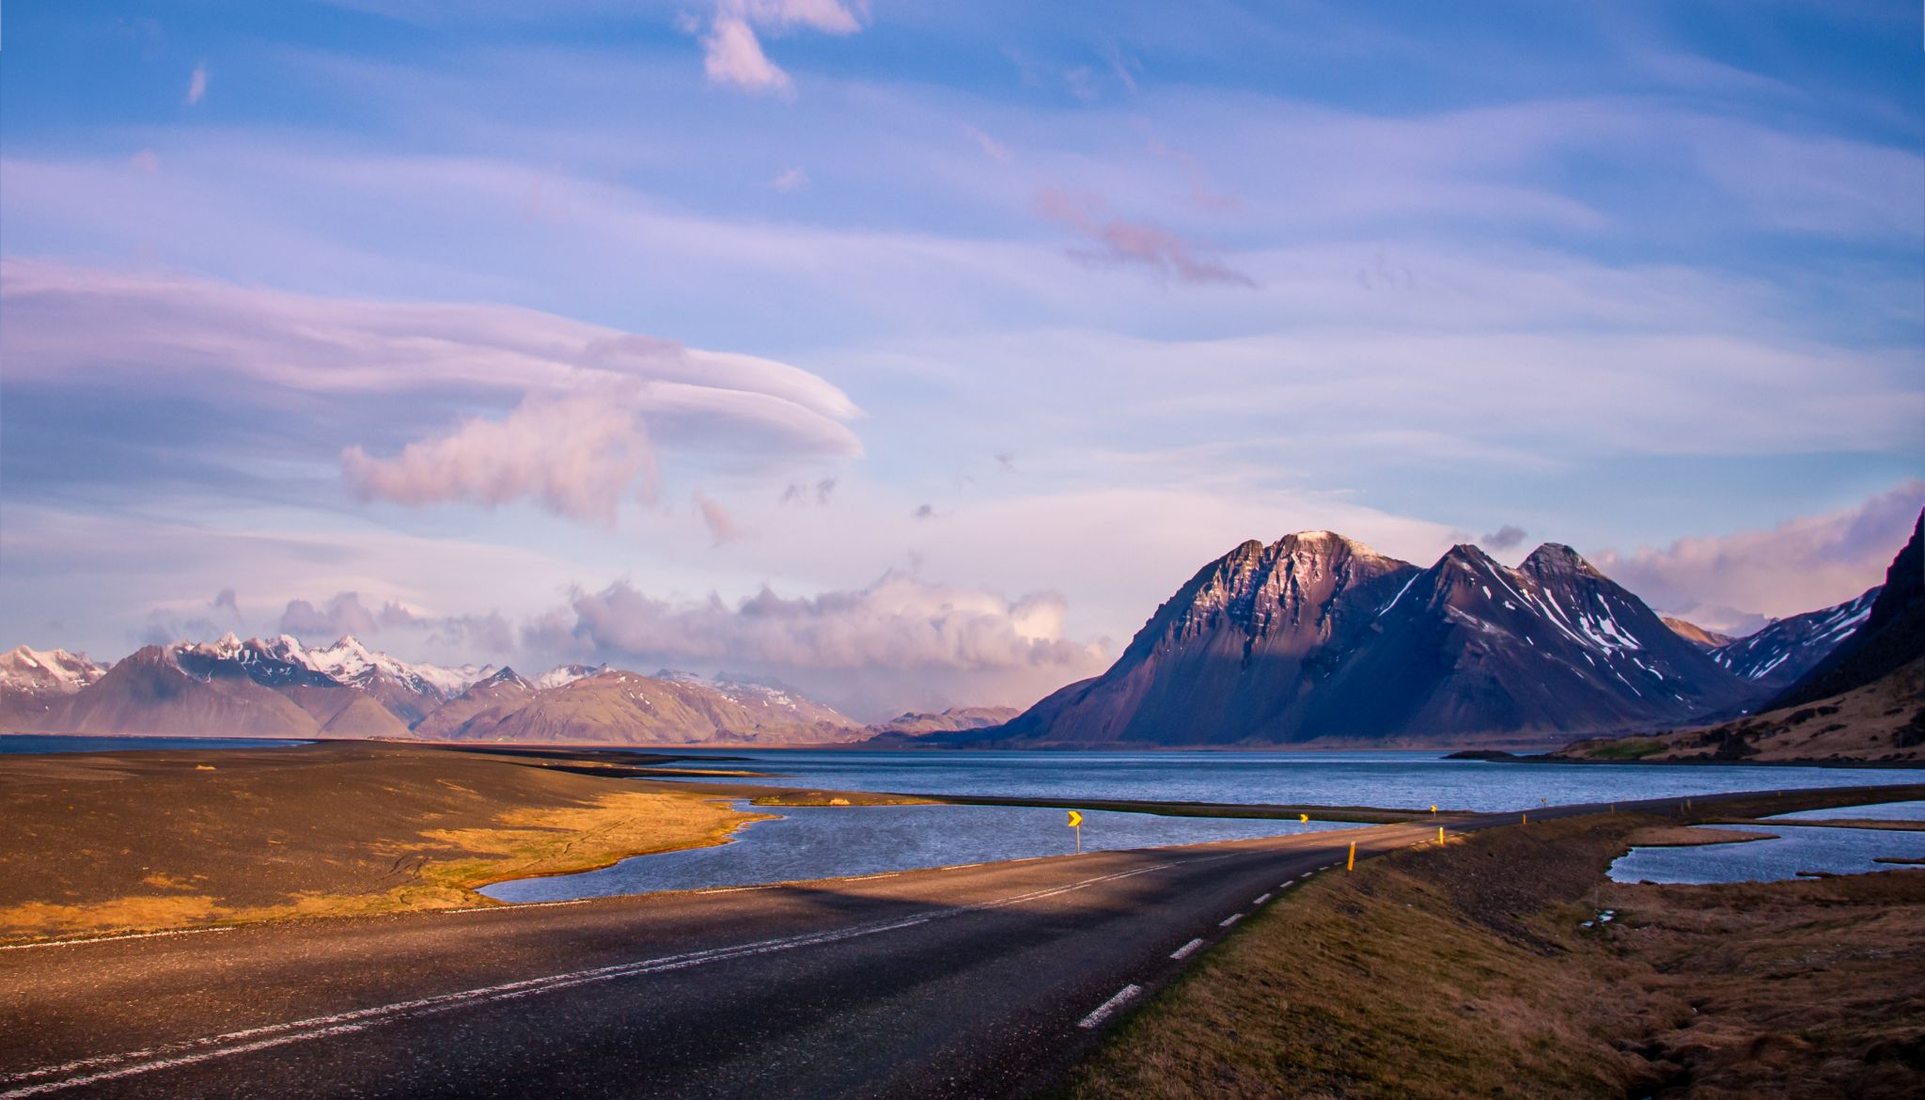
1467 970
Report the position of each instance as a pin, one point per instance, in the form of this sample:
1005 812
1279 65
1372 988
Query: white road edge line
112 939
1123 996
1229 920
516 906
1260 899
107 1067
1186 950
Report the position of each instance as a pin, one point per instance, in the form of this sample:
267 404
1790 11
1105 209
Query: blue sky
913 352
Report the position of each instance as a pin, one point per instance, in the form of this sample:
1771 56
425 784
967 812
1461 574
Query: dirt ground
100 842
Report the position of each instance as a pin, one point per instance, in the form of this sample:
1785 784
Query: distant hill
912 725
1317 638
626 708
1695 634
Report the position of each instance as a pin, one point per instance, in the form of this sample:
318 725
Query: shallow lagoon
826 842
1801 848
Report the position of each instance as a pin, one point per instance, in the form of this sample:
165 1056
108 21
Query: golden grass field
101 843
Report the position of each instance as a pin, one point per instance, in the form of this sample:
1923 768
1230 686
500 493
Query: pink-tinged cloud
732 56
197 86
1798 566
732 53
722 526
993 149
577 457
1116 241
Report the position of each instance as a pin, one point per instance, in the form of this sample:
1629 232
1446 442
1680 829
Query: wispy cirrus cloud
1119 241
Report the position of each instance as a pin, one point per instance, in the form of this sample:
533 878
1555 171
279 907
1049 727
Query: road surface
974 981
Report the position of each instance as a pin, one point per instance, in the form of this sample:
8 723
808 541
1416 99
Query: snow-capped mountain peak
351 661
48 671
563 675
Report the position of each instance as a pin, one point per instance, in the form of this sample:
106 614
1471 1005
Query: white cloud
576 457
790 179
197 86
732 54
1800 565
921 640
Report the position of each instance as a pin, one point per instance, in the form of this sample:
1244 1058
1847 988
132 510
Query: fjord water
837 841
34 742
1392 780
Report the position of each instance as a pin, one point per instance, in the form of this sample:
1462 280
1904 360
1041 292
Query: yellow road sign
1303 817
1075 819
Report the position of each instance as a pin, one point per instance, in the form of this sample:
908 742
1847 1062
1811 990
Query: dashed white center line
1229 920
1186 950
1103 1011
1260 899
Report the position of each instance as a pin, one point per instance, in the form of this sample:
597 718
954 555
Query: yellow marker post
1076 822
1526 821
1352 865
1440 834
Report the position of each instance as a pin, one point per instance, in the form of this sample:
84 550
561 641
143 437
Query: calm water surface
1878 811
33 742
1409 780
1805 848
828 842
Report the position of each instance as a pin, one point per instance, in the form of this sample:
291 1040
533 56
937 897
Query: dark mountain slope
1778 655
1319 638
1891 637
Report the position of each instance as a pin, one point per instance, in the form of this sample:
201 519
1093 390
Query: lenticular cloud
448 404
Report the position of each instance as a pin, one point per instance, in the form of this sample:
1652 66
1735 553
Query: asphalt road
975 981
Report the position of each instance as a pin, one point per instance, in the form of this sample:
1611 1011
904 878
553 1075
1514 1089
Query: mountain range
278 688
1313 639
1319 639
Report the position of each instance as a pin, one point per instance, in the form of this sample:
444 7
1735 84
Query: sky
911 353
